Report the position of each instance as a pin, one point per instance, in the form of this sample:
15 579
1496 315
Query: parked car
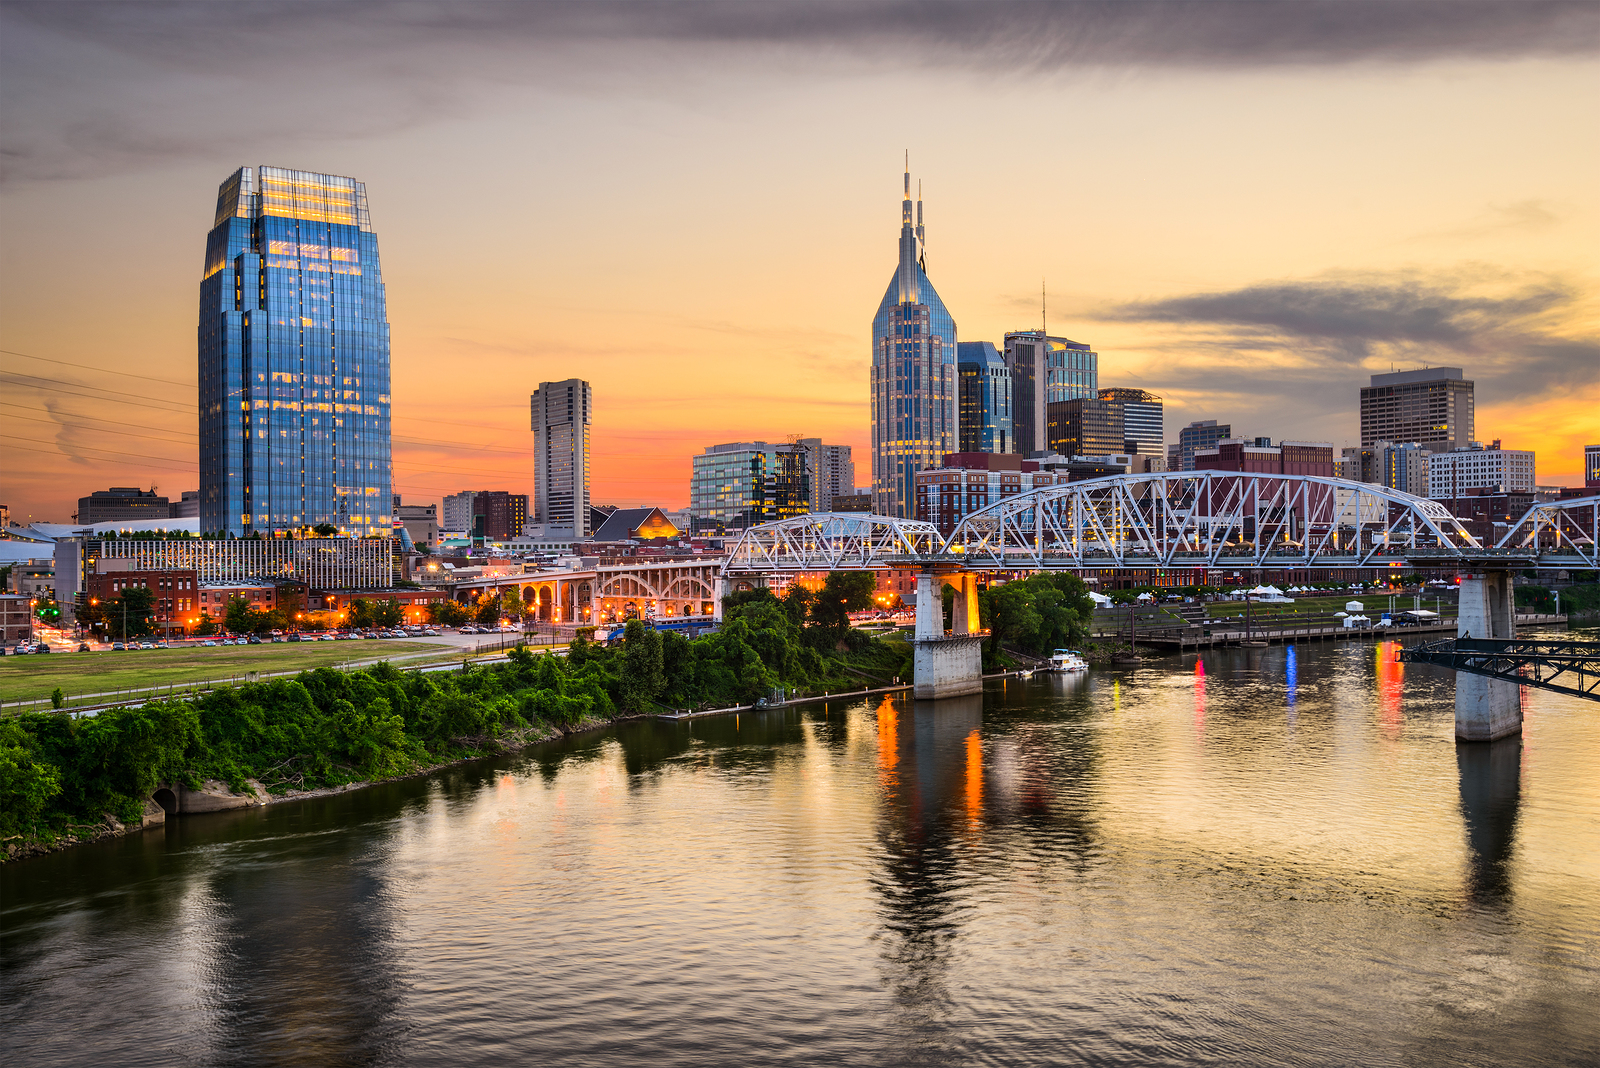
276 639
295 638
43 647
83 647
118 647
208 643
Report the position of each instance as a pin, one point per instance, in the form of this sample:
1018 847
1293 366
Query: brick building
969 481
1260 456
16 618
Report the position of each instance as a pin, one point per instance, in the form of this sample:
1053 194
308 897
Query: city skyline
1333 215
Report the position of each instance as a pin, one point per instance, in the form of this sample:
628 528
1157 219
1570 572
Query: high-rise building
1046 369
495 515
985 398
1451 474
832 470
1431 406
1085 426
1591 466
294 358
1143 419
1203 434
561 417
914 408
121 503
742 484
457 517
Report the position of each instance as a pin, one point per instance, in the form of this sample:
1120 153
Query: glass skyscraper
294 358
1046 370
914 409
985 398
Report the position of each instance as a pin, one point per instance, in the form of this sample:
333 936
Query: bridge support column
946 666
724 587
1486 709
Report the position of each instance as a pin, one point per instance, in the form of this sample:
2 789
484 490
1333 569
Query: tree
844 592
128 614
360 613
488 614
241 617
325 530
447 613
511 604
388 613
643 674
1044 612
207 626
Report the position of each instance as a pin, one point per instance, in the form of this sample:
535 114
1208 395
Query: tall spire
1044 321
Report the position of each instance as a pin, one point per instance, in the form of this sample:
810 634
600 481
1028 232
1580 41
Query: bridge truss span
830 541
1206 519
1567 528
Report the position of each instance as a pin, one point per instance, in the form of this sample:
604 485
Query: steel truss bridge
1563 666
1209 519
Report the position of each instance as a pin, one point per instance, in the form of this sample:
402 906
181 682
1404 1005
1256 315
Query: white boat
1066 660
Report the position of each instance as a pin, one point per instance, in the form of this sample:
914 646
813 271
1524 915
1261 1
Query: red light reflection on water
1199 696
1391 688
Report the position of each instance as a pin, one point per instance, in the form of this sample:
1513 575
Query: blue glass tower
294 358
985 398
914 410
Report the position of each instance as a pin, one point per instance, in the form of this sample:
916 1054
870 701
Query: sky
1245 208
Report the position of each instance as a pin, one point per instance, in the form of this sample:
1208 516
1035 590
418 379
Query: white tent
1146 597
1099 598
1354 606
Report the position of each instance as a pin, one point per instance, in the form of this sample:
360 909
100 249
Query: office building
1203 434
16 618
294 358
1086 426
1451 474
1143 419
832 471
742 484
121 503
494 515
914 403
1432 407
1403 467
1046 369
1260 456
966 482
1591 466
421 522
457 515
561 416
186 508
985 398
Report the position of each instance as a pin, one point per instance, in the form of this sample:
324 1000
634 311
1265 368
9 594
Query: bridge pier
946 665
1486 709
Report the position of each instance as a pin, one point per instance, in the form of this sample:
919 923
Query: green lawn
34 676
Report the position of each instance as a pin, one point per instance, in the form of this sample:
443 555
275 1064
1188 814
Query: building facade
967 482
174 593
741 484
562 413
1432 407
1451 474
294 358
422 523
1143 419
1202 434
122 503
1260 456
1591 466
832 470
324 563
985 390
1045 369
1085 426
914 393
16 618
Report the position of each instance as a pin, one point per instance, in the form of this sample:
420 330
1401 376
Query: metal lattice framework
1207 519
1563 527
831 541
1565 666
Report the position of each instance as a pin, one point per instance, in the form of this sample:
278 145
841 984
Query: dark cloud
1292 354
996 36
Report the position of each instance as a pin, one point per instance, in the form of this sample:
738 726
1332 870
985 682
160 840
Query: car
369 634
294 637
255 639
430 633
209 644
276 639
118 647
83 647
44 647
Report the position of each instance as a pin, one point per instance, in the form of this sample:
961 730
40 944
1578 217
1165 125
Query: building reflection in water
1491 788
929 762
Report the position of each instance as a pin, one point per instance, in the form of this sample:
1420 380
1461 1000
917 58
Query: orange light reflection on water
974 781
1199 696
1391 688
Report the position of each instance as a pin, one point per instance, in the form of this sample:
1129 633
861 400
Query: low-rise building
1452 474
969 481
422 523
16 618
1260 456
121 503
174 592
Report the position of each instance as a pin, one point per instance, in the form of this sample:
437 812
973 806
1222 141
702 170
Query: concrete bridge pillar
946 665
1486 709
724 587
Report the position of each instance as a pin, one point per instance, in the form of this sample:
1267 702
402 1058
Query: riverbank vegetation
328 728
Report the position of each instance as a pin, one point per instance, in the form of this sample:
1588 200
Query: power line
129 463
87 367
99 430
149 402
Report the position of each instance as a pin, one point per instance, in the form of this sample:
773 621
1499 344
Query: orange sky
701 222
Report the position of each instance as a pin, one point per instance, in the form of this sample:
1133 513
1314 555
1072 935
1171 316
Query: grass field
79 674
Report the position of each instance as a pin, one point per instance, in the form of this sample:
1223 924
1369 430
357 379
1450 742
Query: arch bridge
1175 519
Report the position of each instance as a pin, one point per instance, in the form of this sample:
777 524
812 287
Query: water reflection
1491 789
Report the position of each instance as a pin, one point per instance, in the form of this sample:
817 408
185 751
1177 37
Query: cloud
1525 216
1294 353
97 88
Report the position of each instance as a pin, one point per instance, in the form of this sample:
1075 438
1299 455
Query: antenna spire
1044 321
908 174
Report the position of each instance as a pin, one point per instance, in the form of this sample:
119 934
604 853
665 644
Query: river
1268 857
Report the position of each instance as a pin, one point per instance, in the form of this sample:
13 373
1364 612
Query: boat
1066 660
1025 674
